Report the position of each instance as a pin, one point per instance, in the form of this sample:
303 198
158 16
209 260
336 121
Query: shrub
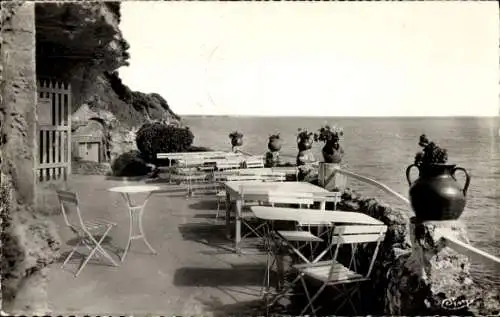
130 164
154 138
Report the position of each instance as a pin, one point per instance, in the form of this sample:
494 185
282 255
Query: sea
381 148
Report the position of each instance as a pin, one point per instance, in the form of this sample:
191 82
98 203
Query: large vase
436 194
237 141
332 154
274 144
305 143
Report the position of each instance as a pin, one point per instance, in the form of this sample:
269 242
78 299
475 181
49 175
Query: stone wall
415 274
29 242
434 279
19 98
396 244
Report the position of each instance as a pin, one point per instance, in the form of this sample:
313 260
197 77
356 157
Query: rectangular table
234 191
313 215
308 216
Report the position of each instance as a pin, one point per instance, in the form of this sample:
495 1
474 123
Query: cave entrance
54 130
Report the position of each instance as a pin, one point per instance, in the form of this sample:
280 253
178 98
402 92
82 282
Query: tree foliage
154 138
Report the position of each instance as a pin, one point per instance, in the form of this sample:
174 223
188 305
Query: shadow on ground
237 275
205 205
203 232
248 308
82 252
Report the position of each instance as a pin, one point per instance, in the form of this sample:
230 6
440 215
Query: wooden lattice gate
54 131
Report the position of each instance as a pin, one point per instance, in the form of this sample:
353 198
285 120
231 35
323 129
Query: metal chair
252 197
254 162
298 236
86 231
337 275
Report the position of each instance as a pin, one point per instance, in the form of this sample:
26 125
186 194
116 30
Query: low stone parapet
415 273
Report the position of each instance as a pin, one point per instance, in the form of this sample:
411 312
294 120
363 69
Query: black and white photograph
257 158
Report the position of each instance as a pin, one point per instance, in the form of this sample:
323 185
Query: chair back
268 176
334 197
228 165
254 193
68 201
289 170
243 177
254 162
274 177
355 234
285 197
178 155
192 161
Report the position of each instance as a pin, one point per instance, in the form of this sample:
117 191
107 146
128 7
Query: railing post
433 278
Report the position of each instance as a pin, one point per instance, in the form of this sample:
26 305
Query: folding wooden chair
86 231
333 197
297 237
252 196
274 177
225 166
254 162
337 275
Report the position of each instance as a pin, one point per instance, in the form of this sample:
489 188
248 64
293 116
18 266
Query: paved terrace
188 277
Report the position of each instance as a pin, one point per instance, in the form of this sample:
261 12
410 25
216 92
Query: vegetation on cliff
84 40
150 106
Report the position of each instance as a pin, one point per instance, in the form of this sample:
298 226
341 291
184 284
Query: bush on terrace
154 138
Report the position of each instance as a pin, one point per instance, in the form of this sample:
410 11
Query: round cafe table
136 211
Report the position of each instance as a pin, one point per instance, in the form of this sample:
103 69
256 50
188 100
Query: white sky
316 58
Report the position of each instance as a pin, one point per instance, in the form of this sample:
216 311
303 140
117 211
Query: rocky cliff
81 43
77 42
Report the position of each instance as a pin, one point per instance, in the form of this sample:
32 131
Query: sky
316 58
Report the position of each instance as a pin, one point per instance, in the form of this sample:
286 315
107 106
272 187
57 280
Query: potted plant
332 151
305 157
236 139
436 194
305 139
332 157
274 146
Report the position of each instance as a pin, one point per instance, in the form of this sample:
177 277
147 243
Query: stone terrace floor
188 277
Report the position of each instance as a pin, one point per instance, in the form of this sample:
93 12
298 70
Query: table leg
237 235
170 171
141 229
228 216
322 205
127 247
135 224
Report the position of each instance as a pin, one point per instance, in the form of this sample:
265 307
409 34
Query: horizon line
322 116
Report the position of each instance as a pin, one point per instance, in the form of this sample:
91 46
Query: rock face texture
84 40
18 97
415 274
434 279
29 243
396 243
79 43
